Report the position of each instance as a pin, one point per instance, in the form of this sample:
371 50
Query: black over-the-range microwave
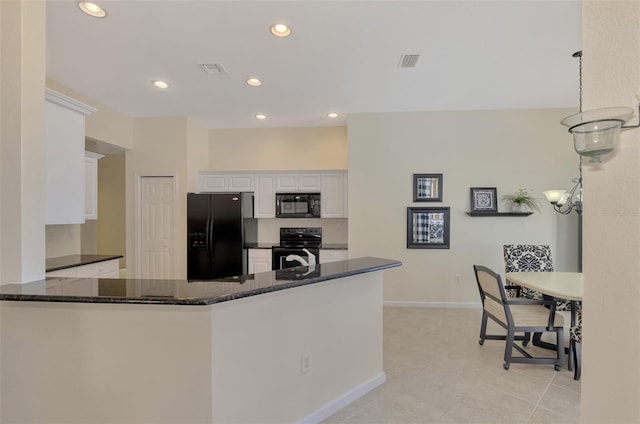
297 205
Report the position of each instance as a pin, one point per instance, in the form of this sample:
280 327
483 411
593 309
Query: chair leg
527 338
508 347
577 353
483 327
560 348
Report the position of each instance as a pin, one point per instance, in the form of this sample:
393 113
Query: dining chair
576 342
527 258
517 316
530 258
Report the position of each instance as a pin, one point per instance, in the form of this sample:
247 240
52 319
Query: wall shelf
499 213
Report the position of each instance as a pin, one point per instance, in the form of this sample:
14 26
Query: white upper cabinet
241 182
222 181
64 158
334 195
265 196
91 185
332 185
301 182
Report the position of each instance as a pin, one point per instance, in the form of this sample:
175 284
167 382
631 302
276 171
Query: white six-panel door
157 196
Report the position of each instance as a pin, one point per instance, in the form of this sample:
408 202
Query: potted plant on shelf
522 201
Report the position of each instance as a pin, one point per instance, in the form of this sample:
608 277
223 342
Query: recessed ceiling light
160 84
280 30
254 82
261 116
92 9
332 115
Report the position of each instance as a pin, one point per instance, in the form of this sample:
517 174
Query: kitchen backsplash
63 240
334 230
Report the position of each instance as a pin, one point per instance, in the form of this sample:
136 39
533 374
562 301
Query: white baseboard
344 400
403 304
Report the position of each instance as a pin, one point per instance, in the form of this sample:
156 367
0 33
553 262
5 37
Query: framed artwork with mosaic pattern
484 200
428 228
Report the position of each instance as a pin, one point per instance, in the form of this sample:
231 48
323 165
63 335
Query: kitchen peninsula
282 346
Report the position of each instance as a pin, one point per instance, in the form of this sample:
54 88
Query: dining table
558 285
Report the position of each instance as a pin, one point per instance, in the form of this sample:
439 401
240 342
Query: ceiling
342 56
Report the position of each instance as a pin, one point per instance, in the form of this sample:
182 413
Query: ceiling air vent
408 61
213 69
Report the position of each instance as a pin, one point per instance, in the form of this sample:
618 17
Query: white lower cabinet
331 255
72 287
259 260
104 269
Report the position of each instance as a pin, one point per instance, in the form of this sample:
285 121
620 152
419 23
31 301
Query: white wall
111 223
611 58
278 149
22 59
197 153
503 149
237 361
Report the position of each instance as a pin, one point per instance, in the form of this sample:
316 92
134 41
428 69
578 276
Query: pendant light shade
596 132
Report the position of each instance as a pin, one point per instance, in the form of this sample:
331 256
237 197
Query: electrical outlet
305 363
457 278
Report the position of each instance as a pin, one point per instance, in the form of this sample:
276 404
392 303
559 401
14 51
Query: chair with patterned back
527 258
531 258
517 316
576 342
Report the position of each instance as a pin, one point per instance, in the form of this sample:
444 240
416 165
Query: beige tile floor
438 373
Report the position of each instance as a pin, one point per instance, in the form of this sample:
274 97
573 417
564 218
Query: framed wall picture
427 187
428 228
484 200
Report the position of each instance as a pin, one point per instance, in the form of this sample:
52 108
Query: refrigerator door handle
210 235
206 240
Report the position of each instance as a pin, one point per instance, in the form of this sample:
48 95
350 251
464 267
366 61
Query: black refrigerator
218 226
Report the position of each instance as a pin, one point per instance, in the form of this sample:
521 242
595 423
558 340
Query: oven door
279 255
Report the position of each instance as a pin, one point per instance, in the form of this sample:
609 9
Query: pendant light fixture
596 132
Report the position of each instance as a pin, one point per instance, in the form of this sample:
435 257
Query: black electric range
298 246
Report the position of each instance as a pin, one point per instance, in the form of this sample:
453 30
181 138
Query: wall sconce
596 132
564 203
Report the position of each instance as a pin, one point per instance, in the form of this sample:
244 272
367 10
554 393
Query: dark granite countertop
328 246
183 292
64 262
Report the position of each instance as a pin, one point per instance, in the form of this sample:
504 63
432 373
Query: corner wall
503 149
22 66
611 69
112 207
